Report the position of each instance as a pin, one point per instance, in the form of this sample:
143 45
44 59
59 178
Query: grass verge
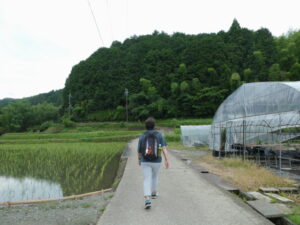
295 216
178 122
245 175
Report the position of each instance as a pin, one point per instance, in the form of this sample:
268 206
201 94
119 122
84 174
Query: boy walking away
150 147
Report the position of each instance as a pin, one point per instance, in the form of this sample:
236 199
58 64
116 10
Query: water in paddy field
23 189
55 182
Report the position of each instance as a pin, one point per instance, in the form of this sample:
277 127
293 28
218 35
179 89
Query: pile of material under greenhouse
259 121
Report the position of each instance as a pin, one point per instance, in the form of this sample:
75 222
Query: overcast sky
40 40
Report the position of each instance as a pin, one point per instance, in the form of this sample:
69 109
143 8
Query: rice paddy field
53 165
64 161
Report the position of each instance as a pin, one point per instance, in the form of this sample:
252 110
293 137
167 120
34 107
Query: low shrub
2 130
44 126
68 123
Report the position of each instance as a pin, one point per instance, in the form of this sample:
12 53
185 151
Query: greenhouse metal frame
263 114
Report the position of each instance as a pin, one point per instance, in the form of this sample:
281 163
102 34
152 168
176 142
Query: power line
126 20
99 34
110 21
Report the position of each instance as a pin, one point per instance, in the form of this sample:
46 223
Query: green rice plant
178 122
96 126
67 138
78 167
68 135
81 159
85 129
124 138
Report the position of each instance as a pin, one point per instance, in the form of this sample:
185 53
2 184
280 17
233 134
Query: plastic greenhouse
265 113
195 135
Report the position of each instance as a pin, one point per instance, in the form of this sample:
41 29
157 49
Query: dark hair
150 123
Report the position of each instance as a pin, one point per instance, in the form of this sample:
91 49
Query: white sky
40 40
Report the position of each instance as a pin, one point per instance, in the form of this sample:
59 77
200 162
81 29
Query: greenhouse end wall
195 135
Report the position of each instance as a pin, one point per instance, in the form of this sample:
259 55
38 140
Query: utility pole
70 105
126 96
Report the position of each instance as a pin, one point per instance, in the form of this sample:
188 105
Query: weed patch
246 175
85 205
295 216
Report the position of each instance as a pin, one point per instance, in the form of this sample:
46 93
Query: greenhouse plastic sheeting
195 135
256 113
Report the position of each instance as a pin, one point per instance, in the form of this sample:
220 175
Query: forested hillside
6 101
167 76
53 97
177 75
34 112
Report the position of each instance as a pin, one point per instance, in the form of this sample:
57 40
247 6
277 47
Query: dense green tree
17 116
294 74
207 100
240 44
44 112
196 85
247 75
147 102
212 76
265 43
53 97
184 100
4 102
274 72
21 115
288 48
235 81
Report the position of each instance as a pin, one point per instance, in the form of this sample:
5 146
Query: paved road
185 198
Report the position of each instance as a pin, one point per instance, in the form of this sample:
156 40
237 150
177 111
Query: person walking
150 147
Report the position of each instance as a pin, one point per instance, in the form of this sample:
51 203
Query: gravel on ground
84 211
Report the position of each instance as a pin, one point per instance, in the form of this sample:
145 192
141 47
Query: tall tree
274 72
294 74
